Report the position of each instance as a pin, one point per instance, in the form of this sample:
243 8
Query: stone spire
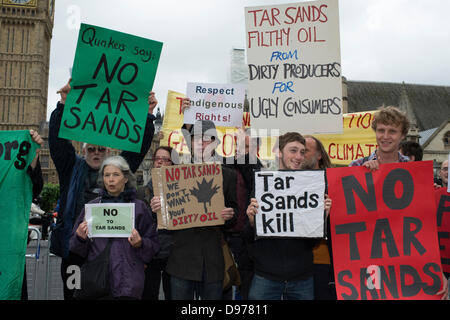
405 105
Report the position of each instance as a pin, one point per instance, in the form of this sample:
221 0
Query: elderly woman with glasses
128 256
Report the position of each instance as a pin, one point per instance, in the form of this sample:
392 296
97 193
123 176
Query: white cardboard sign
291 204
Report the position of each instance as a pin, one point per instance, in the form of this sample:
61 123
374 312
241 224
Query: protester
196 262
412 150
443 174
244 162
128 255
35 172
78 179
283 267
391 126
317 158
156 270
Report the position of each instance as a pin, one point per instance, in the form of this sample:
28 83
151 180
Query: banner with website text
17 151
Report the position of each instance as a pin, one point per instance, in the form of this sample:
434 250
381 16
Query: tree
49 197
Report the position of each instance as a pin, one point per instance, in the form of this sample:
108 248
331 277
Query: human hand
252 210
82 230
38 139
328 204
372 165
64 91
152 102
444 291
227 213
135 239
155 203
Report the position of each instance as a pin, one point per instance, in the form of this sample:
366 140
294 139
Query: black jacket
280 259
283 259
198 248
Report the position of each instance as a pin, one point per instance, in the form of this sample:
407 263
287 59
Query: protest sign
109 220
173 137
443 225
191 195
17 151
291 204
113 73
293 55
223 104
357 141
384 234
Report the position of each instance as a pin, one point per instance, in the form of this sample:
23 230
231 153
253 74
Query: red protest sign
443 225
384 234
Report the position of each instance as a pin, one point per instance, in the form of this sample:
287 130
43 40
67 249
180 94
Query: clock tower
25 35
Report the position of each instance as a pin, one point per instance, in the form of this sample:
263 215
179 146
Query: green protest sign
17 151
112 76
110 220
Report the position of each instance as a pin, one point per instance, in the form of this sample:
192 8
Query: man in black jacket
283 267
196 263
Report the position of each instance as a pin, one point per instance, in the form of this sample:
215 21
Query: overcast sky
381 40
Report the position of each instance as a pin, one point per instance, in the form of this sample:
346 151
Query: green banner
112 76
110 220
17 151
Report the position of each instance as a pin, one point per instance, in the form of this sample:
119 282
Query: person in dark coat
78 180
196 263
35 172
128 256
156 270
284 266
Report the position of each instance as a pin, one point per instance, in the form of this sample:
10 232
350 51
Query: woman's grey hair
122 164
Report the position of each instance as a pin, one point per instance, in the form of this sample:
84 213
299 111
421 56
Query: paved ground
44 275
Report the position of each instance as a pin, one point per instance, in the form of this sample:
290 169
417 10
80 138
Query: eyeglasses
163 159
93 149
203 138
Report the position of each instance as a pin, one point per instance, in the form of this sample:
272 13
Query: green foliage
49 197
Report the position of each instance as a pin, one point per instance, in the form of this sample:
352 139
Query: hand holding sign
152 102
82 230
112 74
64 91
135 239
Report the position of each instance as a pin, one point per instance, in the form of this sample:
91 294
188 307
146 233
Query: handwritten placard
293 56
113 73
291 204
384 232
223 104
191 195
